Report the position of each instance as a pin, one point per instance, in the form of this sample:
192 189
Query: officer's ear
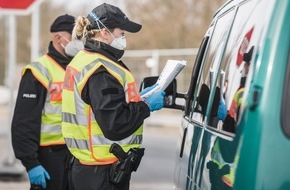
56 37
104 33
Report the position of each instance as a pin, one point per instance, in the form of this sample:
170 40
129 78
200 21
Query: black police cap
63 23
248 56
111 17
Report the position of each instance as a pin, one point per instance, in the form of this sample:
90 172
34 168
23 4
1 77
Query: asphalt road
155 171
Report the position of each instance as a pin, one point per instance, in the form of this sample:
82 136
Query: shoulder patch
29 95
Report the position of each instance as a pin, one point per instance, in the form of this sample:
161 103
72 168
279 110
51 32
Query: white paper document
169 72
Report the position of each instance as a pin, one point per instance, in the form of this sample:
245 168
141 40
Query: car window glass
237 65
211 65
194 75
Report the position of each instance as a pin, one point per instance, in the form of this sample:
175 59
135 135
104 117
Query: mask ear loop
96 18
64 38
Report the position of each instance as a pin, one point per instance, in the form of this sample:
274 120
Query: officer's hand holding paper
147 89
155 101
169 72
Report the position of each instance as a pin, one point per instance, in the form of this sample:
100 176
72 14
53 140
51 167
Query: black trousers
86 177
55 160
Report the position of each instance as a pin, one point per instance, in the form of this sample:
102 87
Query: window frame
285 107
195 73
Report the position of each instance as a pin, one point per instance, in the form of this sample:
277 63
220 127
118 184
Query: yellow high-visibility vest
237 100
81 131
218 159
51 76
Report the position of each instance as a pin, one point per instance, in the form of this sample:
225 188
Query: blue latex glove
144 91
222 110
38 176
155 101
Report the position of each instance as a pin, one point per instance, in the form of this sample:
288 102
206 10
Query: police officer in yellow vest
223 154
231 117
101 102
36 126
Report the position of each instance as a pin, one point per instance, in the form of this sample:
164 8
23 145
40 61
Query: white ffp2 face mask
73 47
119 43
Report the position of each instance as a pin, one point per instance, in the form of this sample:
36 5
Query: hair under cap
111 17
63 23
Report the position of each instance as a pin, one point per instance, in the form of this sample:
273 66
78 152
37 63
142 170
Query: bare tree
170 23
166 24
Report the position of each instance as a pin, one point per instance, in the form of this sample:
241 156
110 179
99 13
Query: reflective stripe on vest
51 76
97 140
81 131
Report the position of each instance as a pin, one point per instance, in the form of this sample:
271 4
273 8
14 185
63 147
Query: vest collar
104 49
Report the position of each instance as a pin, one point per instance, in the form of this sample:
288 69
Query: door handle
183 142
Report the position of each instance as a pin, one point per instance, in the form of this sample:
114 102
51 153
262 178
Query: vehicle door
186 147
203 76
219 156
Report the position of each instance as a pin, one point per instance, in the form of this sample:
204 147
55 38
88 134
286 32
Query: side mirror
171 92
